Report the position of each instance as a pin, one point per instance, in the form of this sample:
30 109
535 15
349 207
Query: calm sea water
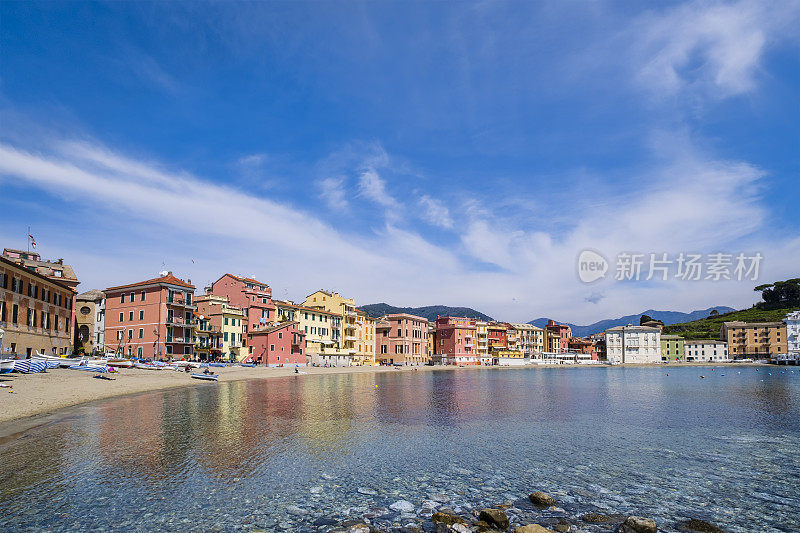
309 452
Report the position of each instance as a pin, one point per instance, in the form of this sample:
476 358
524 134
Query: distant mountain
431 312
667 317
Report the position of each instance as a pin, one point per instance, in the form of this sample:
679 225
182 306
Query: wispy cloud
373 187
332 191
711 47
435 212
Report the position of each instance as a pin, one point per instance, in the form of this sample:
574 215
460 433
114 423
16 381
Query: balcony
180 302
350 338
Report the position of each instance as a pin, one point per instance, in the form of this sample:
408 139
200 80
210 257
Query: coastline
36 397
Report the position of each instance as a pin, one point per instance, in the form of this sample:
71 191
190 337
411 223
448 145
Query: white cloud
711 47
373 187
332 191
435 212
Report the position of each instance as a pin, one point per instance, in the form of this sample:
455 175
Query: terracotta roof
275 327
90 296
57 281
168 279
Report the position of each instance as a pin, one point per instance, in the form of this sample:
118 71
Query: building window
121 316
271 347
141 314
122 299
141 333
141 297
139 351
130 316
130 334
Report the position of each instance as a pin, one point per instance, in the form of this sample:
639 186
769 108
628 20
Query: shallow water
308 452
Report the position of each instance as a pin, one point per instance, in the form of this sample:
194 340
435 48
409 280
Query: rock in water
447 519
637 524
402 506
700 526
533 528
495 518
596 518
541 498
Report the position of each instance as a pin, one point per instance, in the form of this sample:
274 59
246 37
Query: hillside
667 317
431 312
708 328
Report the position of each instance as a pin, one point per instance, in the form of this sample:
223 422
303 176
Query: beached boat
6 366
29 366
149 366
63 362
207 377
120 363
90 368
218 365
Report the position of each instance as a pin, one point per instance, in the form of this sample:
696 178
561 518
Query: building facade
280 344
792 322
583 347
253 297
482 342
564 333
353 330
754 340
456 341
36 312
705 350
402 339
672 348
323 333
226 319
90 322
530 340
633 344
152 319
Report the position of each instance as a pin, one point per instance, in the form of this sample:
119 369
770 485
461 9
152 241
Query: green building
671 347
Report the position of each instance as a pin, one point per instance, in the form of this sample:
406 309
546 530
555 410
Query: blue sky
413 153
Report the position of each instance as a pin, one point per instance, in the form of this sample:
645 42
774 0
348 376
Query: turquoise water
306 453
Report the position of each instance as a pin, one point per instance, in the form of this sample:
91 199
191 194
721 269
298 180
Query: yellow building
482 345
354 327
226 320
553 342
322 329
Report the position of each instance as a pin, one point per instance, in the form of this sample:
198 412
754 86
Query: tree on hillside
780 294
645 318
714 312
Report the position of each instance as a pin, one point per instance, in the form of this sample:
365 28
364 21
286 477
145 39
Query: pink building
456 341
152 319
564 333
278 345
401 339
251 296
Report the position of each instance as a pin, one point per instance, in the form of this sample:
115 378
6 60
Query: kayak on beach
207 377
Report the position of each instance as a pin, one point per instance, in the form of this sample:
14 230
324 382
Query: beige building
705 350
552 341
366 337
225 322
323 333
90 322
756 340
35 312
353 330
482 342
530 340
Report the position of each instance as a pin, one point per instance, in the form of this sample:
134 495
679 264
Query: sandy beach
34 395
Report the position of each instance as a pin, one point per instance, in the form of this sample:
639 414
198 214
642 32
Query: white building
705 350
792 321
633 344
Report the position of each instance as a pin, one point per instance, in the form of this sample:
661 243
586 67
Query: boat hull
205 377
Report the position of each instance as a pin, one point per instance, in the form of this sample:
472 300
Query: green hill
708 328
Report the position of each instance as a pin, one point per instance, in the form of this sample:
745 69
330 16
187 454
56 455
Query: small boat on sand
29 366
120 363
207 377
6 366
90 368
63 362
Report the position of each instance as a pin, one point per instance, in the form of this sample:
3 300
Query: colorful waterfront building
482 342
792 322
508 358
152 319
90 322
756 340
633 344
705 350
279 344
530 340
253 297
322 329
207 339
456 340
496 336
552 342
564 333
227 321
366 338
583 347
353 329
36 312
402 339
672 348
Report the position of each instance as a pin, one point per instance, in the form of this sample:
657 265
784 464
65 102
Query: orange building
152 319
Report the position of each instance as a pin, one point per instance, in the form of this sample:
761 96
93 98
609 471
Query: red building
456 341
564 333
497 336
402 339
279 345
151 319
251 296
586 346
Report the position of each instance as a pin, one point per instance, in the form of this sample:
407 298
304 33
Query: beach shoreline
38 398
